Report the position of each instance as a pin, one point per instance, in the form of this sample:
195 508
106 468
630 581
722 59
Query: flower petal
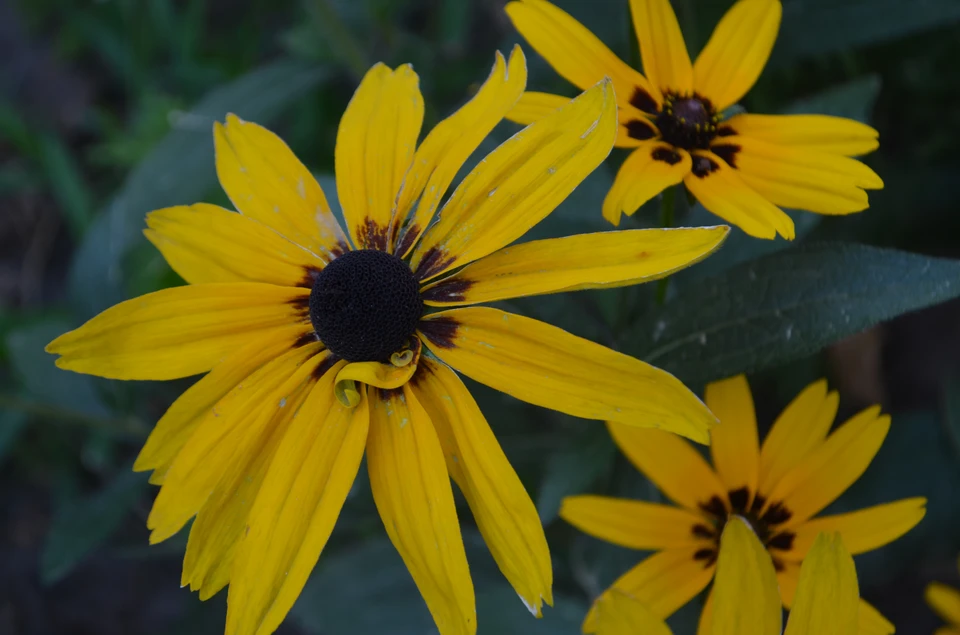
267 182
945 601
520 183
412 491
746 600
376 141
799 178
664 54
705 624
831 468
722 191
651 168
828 598
230 433
733 443
871 622
205 243
620 614
295 510
801 427
501 506
632 524
185 414
549 367
736 53
673 465
371 374
663 582
863 530
177 332
587 261
443 152
576 53
814 133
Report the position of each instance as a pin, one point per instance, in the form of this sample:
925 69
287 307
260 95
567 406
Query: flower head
945 602
318 346
741 167
777 488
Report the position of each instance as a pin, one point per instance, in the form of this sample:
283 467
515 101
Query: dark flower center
365 305
688 122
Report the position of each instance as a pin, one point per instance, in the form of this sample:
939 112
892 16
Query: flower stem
666 220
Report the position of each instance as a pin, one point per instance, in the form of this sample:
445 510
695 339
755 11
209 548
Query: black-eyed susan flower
778 488
945 602
747 601
742 168
318 345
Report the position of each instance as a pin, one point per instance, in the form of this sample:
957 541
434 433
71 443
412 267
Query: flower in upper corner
742 167
945 602
317 344
747 601
777 488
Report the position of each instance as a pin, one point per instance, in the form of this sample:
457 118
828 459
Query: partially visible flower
945 602
746 599
776 488
317 347
741 167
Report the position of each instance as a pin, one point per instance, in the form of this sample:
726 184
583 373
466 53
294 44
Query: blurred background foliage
105 113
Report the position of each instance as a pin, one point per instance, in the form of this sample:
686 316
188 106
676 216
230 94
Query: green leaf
854 100
12 424
573 469
180 170
81 527
787 305
67 183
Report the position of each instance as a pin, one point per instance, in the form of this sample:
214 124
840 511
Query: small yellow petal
534 106
945 601
734 444
651 168
871 622
828 598
620 614
665 58
815 133
632 524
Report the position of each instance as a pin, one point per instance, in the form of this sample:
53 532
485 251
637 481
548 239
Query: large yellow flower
318 346
741 167
747 600
778 488
945 601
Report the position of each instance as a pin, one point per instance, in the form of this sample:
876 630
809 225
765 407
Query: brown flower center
687 121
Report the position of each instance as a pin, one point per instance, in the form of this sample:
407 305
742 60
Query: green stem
328 21
127 426
666 220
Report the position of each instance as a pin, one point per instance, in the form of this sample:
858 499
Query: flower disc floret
688 122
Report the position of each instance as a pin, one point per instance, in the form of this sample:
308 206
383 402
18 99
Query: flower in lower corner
742 167
778 488
319 347
746 599
945 602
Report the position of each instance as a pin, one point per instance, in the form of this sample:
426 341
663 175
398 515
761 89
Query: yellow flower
747 600
318 347
777 488
741 167
945 601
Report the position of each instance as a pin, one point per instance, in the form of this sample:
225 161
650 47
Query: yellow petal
501 506
673 465
664 54
801 427
945 601
222 521
733 443
295 510
831 468
376 141
814 133
520 183
733 59
576 53
230 432
268 183
183 416
533 106
206 243
372 374
705 624
632 524
722 191
412 491
802 179
943 630
620 614
828 599
177 332
788 577
588 261
651 168
863 530
549 367
443 152
663 582
746 600
871 622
